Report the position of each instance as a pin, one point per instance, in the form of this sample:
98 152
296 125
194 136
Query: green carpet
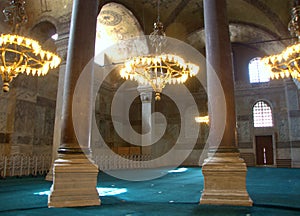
274 191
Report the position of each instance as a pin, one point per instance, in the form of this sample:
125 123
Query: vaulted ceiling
252 22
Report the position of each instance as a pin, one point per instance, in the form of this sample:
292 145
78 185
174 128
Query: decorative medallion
110 18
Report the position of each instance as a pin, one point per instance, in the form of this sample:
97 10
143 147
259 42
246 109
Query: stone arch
115 23
243 33
272 16
43 31
267 101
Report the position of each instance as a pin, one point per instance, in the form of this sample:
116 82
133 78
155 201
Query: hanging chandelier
287 63
20 54
202 119
160 68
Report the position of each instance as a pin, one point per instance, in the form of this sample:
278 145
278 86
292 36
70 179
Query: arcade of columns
75 176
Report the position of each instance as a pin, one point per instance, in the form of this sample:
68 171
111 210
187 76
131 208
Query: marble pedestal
49 176
225 180
74 183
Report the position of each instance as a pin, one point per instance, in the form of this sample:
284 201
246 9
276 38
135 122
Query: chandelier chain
16 15
158 69
158 36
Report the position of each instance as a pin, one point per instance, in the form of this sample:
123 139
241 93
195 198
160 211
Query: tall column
146 98
75 176
224 171
62 49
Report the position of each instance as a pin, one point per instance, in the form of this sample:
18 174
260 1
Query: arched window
257 71
262 115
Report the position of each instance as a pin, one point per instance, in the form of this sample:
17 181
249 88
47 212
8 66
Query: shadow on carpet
274 191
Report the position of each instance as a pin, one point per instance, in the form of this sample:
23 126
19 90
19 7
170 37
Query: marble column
146 98
75 176
224 171
292 106
62 49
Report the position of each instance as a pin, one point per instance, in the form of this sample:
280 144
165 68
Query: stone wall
27 115
283 97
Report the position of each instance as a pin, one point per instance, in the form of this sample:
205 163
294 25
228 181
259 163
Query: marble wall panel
5 137
295 155
42 149
21 149
27 83
294 113
283 145
245 145
282 126
244 117
4 149
243 105
44 122
3 114
25 95
295 128
292 95
25 114
39 129
284 153
47 85
49 124
3 120
243 131
295 144
3 99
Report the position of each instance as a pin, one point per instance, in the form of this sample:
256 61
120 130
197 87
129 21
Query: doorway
264 150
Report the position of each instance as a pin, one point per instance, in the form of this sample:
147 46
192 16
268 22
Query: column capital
145 93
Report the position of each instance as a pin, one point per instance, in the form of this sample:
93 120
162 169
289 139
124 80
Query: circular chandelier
20 54
202 119
23 55
158 69
287 63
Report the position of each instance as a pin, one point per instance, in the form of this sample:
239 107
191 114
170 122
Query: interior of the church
150 107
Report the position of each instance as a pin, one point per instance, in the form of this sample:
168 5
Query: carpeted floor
274 191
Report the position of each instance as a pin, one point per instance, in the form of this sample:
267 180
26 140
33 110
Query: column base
225 180
49 176
74 183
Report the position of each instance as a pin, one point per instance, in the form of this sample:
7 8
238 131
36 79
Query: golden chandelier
158 69
287 63
202 119
20 54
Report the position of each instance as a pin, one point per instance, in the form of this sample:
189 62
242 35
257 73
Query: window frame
257 71
263 115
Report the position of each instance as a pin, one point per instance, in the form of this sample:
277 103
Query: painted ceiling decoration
250 21
243 33
115 23
110 18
